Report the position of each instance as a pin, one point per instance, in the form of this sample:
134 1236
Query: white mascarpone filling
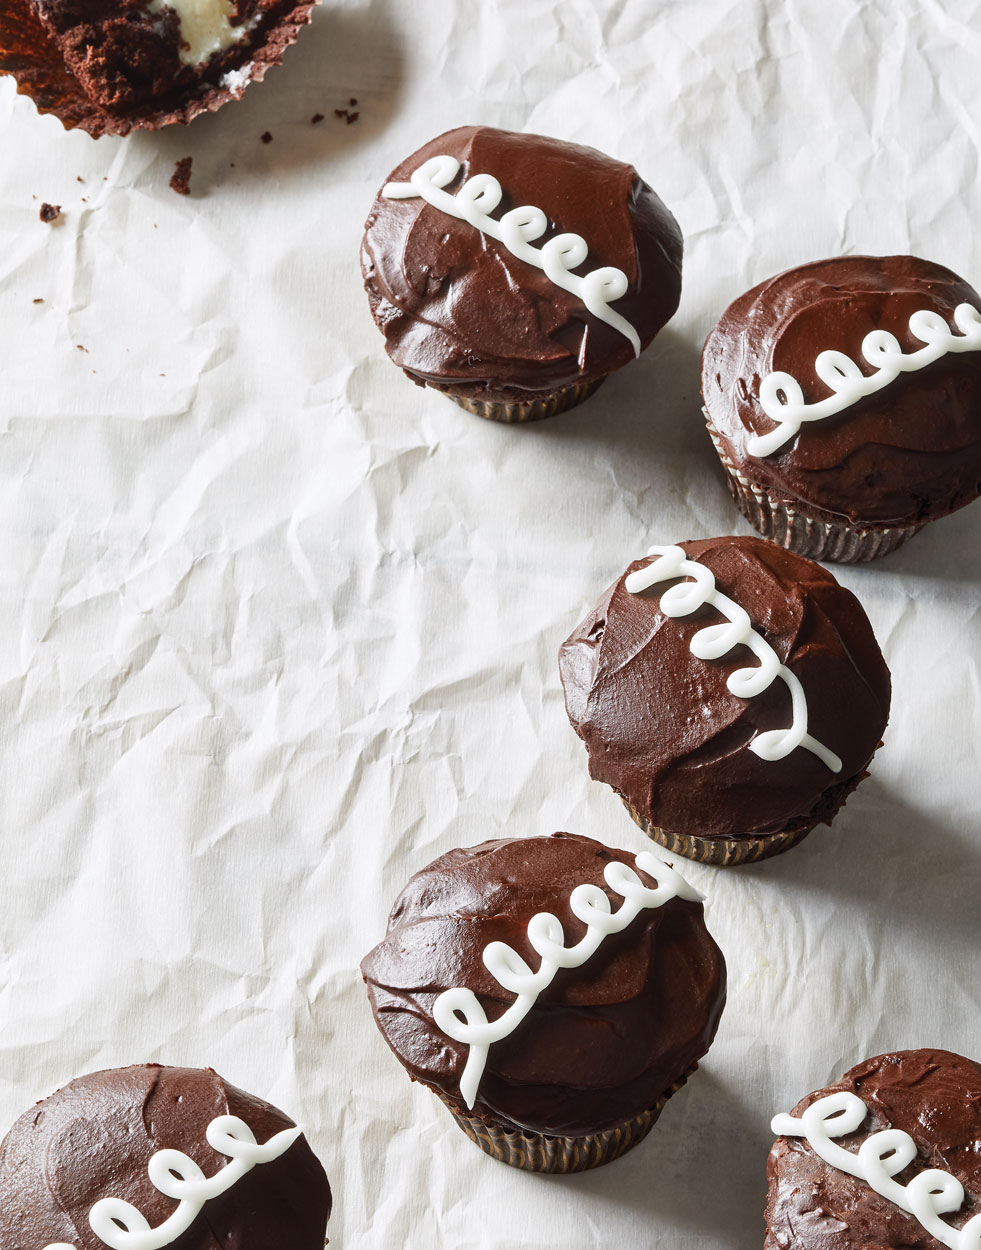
205 27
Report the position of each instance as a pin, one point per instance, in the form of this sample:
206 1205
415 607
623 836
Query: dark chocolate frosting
94 1138
603 1042
662 728
911 452
932 1095
459 310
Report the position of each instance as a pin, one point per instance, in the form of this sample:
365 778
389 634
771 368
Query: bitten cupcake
112 66
889 1156
731 693
552 992
514 272
151 1156
844 399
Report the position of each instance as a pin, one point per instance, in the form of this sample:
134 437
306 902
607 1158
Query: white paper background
277 628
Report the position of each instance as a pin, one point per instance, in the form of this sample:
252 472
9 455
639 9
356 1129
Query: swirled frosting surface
94 1138
662 727
457 308
933 1095
911 452
602 1043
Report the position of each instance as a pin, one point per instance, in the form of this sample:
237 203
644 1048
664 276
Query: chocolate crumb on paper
317 117
266 137
50 213
181 178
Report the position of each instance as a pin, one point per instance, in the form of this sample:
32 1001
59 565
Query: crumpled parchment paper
277 628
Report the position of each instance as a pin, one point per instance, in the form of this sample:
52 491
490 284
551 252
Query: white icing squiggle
782 399
713 642
880 1158
474 202
458 1012
121 1226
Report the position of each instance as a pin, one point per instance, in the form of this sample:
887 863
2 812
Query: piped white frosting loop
119 1225
782 398
930 1195
458 1012
480 196
715 641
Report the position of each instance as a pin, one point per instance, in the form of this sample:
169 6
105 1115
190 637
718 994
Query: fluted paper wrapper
723 852
30 55
778 520
540 1152
526 410
277 628
750 847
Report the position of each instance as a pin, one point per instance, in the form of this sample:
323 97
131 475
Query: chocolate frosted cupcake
514 272
153 1156
844 399
890 1156
731 692
552 992
112 66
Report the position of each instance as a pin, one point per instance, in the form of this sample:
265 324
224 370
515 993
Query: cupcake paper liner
727 852
777 520
529 410
538 1152
724 852
31 55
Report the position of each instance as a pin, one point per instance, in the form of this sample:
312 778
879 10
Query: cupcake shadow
949 548
652 406
343 56
919 886
645 422
702 1170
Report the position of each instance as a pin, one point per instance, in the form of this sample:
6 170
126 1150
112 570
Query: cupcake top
110 66
177 1151
853 386
602 1040
471 293
727 687
835 1185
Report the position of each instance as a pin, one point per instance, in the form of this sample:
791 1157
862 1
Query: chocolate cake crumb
181 179
38 301
80 348
352 102
50 213
317 117
352 117
346 114
267 137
